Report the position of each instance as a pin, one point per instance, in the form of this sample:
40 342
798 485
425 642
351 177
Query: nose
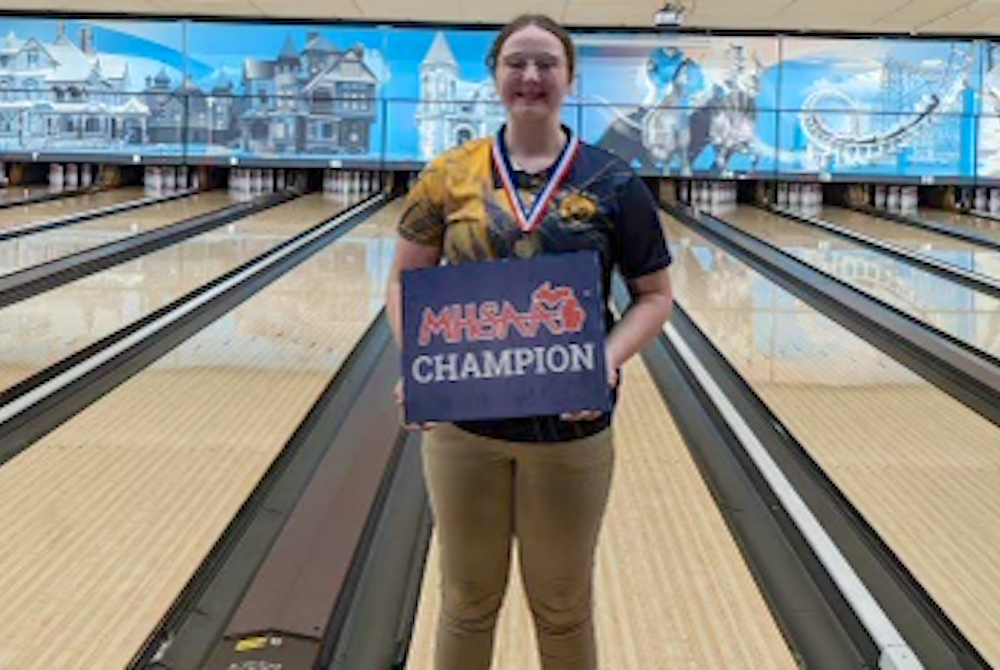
531 71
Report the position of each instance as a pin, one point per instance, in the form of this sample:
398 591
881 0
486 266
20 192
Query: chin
533 112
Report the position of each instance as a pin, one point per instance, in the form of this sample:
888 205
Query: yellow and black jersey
588 200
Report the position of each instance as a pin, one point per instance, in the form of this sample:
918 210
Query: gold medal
524 248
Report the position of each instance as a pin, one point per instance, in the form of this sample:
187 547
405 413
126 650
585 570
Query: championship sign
505 339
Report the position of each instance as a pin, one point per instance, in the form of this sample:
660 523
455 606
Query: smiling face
533 74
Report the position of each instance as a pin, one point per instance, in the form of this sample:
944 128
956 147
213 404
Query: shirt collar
520 176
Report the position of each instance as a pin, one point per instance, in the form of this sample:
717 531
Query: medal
524 248
530 220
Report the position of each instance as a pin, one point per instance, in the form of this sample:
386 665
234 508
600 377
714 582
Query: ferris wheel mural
903 110
921 97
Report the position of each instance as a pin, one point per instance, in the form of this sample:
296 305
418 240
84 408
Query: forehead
532 39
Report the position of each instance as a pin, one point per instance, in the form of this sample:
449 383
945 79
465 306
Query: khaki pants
550 496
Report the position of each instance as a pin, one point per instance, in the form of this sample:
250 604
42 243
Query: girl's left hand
593 414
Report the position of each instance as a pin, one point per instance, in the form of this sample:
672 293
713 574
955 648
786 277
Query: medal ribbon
528 222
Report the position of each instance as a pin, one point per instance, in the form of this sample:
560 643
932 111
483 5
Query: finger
583 415
423 427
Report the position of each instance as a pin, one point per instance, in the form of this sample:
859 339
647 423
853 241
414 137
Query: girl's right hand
399 395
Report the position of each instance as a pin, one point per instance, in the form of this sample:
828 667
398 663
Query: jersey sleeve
423 218
642 244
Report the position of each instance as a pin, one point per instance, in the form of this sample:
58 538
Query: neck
535 141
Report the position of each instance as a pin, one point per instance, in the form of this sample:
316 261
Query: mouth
532 98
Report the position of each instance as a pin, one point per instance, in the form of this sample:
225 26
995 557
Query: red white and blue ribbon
530 220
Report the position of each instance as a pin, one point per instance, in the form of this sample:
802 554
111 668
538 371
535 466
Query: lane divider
895 653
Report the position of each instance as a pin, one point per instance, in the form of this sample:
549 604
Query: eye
546 64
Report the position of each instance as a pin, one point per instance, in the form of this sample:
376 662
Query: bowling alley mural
678 104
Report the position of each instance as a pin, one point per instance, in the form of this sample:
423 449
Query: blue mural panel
76 86
442 91
988 127
679 104
668 104
286 91
880 107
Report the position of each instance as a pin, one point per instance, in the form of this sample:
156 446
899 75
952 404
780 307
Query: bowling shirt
459 204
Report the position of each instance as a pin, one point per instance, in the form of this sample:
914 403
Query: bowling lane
922 468
968 315
27 215
37 332
106 519
23 252
671 588
988 228
950 250
23 192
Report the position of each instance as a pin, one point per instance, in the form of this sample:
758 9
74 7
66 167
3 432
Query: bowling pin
981 203
72 176
55 175
892 199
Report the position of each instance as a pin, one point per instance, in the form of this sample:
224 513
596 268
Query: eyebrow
532 54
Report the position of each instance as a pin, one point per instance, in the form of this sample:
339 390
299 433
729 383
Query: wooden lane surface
23 252
37 332
968 315
107 518
16 217
941 247
921 467
989 228
671 588
22 192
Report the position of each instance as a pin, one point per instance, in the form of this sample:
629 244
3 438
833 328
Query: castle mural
452 110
